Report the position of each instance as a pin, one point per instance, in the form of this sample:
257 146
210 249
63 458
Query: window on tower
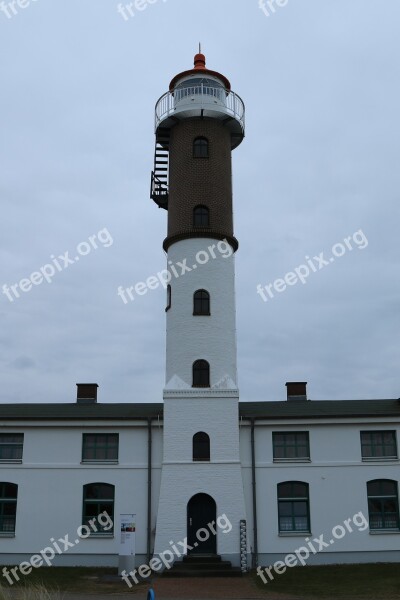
169 298
201 216
201 303
201 447
200 147
201 374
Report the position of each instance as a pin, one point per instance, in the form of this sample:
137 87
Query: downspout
149 473
253 481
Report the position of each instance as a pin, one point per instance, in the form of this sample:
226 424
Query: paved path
189 588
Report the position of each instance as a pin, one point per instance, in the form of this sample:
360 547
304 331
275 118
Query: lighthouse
198 123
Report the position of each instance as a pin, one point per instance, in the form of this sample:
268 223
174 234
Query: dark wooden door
201 511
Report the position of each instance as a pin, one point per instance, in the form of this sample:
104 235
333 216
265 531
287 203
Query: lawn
344 582
68 579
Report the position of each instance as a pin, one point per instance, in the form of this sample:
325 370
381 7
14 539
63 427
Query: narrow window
201 303
293 507
201 447
201 216
98 498
11 446
8 507
291 445
100 447
169 298
383 504
200 148
378 445
201 374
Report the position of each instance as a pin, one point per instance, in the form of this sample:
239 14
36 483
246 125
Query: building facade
265 478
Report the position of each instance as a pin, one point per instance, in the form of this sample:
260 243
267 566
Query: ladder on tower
159 177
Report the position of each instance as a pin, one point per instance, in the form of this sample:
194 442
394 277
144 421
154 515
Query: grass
57 580
345 582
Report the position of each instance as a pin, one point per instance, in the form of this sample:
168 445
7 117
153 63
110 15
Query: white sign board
128 533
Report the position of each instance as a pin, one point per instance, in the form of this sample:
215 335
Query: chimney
296 390
86 393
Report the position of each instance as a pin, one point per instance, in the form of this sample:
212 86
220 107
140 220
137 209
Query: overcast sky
320 162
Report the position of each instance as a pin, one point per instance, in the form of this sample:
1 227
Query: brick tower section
205 181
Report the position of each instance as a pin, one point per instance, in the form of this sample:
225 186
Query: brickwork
194 181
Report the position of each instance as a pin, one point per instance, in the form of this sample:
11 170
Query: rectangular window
11 446
378 445
98 503
100 447
289 445
293 507
383 505
8 507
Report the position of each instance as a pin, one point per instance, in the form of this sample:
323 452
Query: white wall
50 490
337 478
212 338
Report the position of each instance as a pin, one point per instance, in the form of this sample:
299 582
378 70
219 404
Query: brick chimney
296 390
86 393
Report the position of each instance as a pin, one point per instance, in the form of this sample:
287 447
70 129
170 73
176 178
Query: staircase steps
159 176
203 566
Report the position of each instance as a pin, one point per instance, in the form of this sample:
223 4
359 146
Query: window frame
99 501
373 444
198 446
381 498
205 362
11 500
197 147
292 500
195 216
12 445
286 446
202 313
107 446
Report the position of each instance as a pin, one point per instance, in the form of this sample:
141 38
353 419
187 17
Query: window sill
294 534
11 461
384 531
202 314
292 460
99 462
381 459
4 534
94 536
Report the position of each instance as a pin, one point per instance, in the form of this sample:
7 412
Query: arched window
201 374
169 298
201 447
293 506
201 303
8 507
383 504
200 147
201 216
98 498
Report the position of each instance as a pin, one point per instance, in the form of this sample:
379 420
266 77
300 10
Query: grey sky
320 161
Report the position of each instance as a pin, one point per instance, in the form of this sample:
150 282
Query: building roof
76 411
320 409
296 409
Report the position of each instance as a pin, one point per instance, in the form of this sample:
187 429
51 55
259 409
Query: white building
285 472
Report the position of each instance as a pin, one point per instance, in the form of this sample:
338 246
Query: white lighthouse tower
198 123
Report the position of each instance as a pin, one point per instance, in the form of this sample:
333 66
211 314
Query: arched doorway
201 512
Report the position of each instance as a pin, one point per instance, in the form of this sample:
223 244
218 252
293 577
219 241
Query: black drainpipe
253 478
149 490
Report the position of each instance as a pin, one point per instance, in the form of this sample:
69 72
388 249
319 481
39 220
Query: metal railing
205 96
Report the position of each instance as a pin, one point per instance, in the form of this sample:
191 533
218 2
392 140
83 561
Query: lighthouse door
201 512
